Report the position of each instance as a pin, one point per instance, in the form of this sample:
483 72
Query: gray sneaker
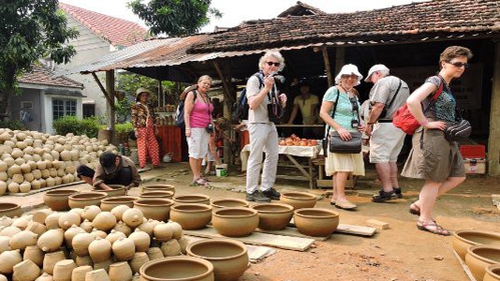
257 196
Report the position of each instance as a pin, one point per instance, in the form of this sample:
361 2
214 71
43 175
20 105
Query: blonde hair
275 54
205 77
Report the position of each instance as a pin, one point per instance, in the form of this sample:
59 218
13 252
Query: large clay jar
8 259
156 209
81 243
10 210
316 221
137 261
118 211
123 249
51 259
23 239
90 212
104 221
82 199
133 217
97 275
107 204
141 239
492 273
157 186
191 216
465 238
51 240
63 270
57 200
298 200
273 216
78 273
25 271
120 271
481 256
34 254
100 250
228 203
192 199
177 268
117 190
235 222
229 257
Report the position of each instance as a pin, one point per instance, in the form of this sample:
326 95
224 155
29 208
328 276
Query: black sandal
432 227
414 209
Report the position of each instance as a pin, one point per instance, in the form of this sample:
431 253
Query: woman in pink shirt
198 119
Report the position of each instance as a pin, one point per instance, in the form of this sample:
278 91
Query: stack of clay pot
31 160
84 244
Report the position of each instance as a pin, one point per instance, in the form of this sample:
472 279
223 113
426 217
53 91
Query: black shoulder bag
274 109
352 146
384 110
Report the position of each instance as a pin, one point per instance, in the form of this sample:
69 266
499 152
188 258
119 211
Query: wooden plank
292 231
382 225
465 267
259 239
356 230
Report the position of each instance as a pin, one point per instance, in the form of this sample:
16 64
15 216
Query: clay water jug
63 270
104 221
26 271
97 275
37 228
115 235
8 259
51 259
34 254
120 271
23 239
45 277
122 227
100 250
9 231
171 248
119 210
66 220
21 222
41 216
137 261
123 249
52 220
147 226
99 233
163 232
141 240
51 240
70 233
133 217
155 253
87 226
81 243
78 273
176 229
4 244
90 212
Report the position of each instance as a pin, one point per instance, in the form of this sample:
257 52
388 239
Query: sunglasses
459 64
270 63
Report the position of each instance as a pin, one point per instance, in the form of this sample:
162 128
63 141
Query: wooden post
328 69
339 59
493 144
228 99
110 89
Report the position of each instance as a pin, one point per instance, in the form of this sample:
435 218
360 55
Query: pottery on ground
177 268
273 216
108 203
228 203
235 222
82 199
191 216
465 238
156 209
192 199
158 194
57 200
481 256
492 273
157 186
298 200
316 222
117 190
229 257
10 210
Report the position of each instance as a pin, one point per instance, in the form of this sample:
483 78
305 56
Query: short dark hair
107 159
455 51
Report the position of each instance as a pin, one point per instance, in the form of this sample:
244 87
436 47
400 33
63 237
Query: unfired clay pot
26 270
158 194
316 221
10 210
298 200
157 209
63 270
78 273
463 239
34 254
481 256
137 261
157 186
235 222
273 216
120 271
107 204
228 203
57 200
191 216
176 269
51 259
229 257
192 199
133 217
97 275
118 190
82 199
492 273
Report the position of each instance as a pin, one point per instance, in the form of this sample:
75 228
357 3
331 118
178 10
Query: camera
210 128
279 78
354 123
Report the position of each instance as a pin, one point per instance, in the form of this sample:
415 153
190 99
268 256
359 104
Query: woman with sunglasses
433 158
344 120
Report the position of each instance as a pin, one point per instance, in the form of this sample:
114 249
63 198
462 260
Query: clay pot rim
202 208
471 251
200 197
483 233
8 206
118 199
207 264
496 267
289 208
242 246
120 188
158 192
215 202
249 212
145 202
97 195
158 185
328 213
298 195
61 193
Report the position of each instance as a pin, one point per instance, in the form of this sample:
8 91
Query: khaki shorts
339 162
386 143
437 160
198 143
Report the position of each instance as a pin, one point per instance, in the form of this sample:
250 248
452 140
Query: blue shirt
344 113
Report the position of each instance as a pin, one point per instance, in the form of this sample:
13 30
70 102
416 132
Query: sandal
345 205
432 227
414 209
199 182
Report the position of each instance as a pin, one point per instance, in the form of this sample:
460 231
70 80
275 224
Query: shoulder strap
395 94
439 90
334 110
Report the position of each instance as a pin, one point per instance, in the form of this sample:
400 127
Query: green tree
174 17
30 30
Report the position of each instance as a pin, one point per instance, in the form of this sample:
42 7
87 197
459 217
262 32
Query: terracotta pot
114 236
51 240
52 220
66 220
82 199
45 277
107 204
158 194
81 242
8 259
235 222
120 271
36 227
123 249
492 273
137 261
104 221
100 250
78 273
141 239
104 265
157 209
40 216
465 238
316 221
298 200
133 217
70 233
171 248
273 216
23 239
120 209
148 226
229 257
84 261
163 232
228 202
7 221
21 222
481 256
63 270
51 259
122 227
25 271
117 190
157 186
10 210
90 212
34 254
177 268
97 275
155 253
192 199
87 226
191 216
57 200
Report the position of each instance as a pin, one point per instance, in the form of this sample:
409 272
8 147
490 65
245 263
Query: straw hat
140 91
349 69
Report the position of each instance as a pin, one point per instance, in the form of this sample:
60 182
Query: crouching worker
112 169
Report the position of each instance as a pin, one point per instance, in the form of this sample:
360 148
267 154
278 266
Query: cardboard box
475 165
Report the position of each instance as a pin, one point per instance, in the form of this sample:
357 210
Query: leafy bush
12 124
124 127
71 124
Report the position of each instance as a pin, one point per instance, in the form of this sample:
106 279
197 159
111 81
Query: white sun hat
349 69
374 68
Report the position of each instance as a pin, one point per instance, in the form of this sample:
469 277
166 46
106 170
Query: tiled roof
430 20
40 75
114 30
301 9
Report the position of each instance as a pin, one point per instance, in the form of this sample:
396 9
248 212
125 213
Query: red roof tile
114 30
416 21
40 75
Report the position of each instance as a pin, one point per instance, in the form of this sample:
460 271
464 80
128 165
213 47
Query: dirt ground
401 252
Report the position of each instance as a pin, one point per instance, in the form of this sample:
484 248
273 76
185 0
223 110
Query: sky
237 11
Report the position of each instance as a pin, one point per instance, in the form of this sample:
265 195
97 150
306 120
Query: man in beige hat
387 94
